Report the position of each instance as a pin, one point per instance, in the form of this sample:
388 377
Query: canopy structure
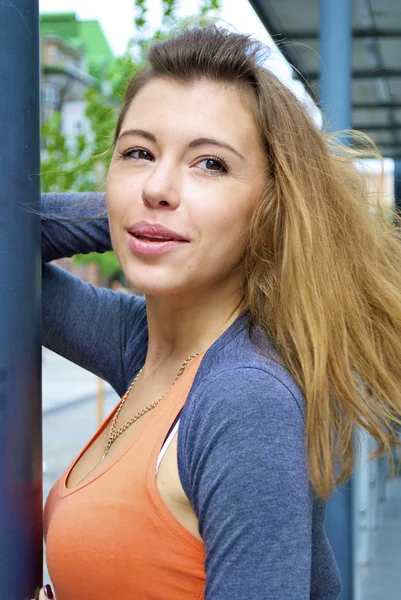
376 63
347 54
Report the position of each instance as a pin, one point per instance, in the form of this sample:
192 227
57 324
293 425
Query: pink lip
144 247
155 229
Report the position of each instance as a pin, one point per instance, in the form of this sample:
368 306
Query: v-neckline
64 490
103 466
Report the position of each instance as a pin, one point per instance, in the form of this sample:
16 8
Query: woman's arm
243 466
73 223
83 323
88 325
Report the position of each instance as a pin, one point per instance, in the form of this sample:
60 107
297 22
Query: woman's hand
44 593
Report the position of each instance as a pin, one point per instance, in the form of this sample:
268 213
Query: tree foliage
80 164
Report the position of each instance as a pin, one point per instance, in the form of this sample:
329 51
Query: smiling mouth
154 238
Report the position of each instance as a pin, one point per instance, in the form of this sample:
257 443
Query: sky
116 17
116 20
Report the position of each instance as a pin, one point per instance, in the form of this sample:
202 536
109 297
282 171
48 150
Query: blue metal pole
20 304
397 185
336 63
336 103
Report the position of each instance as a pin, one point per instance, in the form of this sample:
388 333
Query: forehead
202 108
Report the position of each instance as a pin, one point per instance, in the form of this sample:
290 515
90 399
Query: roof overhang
376 55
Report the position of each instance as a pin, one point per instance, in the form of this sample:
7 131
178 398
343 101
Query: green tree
80 164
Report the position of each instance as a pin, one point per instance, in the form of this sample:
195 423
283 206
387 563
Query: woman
271 293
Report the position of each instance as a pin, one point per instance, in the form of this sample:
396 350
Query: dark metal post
20 305
336 102
397 185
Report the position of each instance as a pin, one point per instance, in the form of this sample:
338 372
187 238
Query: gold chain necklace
113 434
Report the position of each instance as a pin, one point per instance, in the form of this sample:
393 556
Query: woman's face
188 159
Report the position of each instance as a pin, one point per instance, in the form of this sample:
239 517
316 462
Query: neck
180 327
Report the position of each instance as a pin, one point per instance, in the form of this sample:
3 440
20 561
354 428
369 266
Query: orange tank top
112 536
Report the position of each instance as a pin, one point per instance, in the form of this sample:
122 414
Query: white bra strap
166 445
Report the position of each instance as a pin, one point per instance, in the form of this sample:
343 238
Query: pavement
70 420
64 382
69 413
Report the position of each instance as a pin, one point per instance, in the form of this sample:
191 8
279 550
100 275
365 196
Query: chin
157 280
151 287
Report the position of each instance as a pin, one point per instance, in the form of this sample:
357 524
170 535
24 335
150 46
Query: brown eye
213 165
137 154
144 154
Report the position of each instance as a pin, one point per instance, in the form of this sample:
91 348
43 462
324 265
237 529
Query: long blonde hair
323 274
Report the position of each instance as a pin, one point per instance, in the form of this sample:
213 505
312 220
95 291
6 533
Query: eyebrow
194 144
213 142
141 132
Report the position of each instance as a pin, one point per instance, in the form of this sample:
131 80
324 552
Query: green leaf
107 262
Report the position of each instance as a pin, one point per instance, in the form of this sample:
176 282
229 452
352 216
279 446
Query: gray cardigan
241 448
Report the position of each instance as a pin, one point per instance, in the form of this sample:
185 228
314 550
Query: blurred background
89 49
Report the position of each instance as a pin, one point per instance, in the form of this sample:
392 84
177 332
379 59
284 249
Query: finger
45 593
37 592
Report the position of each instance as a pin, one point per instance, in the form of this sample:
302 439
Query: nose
161 189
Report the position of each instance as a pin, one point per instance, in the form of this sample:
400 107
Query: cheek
112 213
226 234
115 212
119 202
111 196
122 190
